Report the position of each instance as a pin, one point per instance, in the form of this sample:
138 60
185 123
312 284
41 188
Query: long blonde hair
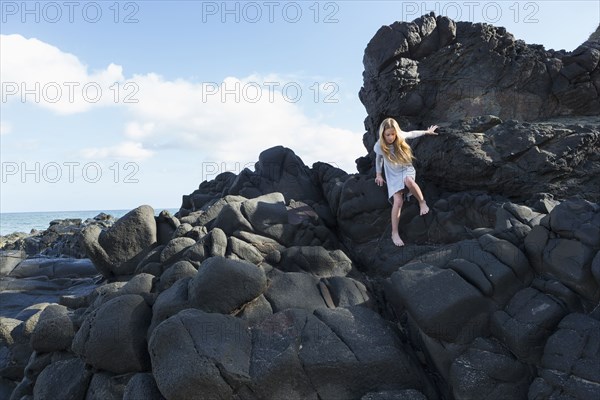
402 152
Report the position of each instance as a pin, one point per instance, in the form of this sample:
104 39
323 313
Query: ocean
26 221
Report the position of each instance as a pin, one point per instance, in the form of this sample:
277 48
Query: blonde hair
402 152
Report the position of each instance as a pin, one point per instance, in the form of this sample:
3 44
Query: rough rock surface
117 250
435 69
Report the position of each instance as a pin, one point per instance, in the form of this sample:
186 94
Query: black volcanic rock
435 70
113 337
195 352
63 379
486 370
575 331
278 169
515 159
62 238
117 250
505 108
223 285
330 354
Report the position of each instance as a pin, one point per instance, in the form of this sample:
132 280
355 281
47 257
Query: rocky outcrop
505 108
485 294
515 159
434 69
277 170
61 239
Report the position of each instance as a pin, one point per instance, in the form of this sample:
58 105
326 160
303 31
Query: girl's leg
416 191
396 209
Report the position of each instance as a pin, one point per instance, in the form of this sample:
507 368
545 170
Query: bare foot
396 239
424 208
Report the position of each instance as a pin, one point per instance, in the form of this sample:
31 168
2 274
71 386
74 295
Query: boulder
68 379
263 244
14 349
113 337
179 270
329 354
443 304
294 290
281 170
175 248
170 302
360 213
570 262
209 211
346 292
315 260
570 360
256 310
166 225
224 285
195 354
141 284
214 243
488 371
117 250
231 219
239 249
54 330
526 323
577 219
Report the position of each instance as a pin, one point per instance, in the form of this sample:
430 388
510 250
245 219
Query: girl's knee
398 199
409 181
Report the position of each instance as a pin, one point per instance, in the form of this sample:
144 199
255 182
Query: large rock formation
499 103
437 70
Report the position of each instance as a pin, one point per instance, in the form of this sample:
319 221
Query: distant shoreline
80 211
26 221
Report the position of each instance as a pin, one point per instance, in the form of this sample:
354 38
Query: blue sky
110 105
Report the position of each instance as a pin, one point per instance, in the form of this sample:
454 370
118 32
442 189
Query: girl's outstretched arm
417 133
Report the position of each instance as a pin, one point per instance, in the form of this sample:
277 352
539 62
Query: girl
395 154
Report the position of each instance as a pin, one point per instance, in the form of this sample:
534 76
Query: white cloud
126 151
229 121
38 73
234 120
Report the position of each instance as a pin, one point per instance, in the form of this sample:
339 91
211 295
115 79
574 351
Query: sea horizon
26 221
